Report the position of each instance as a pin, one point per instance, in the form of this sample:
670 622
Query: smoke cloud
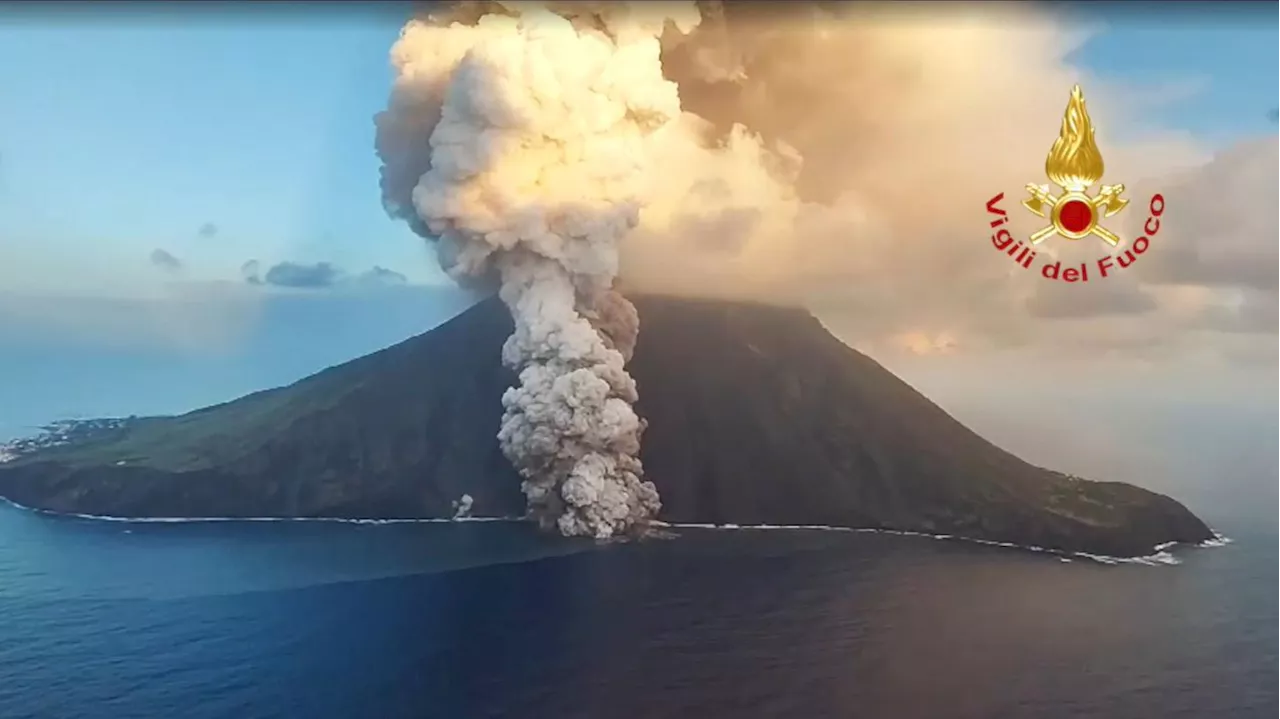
812 153
523 143
839 151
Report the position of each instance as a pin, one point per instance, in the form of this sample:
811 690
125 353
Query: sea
318 620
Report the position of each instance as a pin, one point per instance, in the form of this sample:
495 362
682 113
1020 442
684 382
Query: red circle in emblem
1076 216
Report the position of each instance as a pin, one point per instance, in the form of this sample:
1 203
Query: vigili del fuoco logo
1074 165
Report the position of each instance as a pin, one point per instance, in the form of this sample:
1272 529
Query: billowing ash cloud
522 142
808 131
816 153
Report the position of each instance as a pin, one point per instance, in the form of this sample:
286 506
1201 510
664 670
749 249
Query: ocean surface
250 620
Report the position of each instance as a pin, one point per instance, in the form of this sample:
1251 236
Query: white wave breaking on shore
1159 555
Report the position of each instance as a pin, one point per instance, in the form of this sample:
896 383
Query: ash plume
812 153
520 144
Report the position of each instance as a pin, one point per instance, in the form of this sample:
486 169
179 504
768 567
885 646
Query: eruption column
537 172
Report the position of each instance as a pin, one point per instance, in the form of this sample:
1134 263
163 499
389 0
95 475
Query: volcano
757 415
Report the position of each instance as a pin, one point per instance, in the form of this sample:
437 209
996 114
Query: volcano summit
756 415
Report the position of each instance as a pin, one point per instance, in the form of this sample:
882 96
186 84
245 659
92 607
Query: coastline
1159 556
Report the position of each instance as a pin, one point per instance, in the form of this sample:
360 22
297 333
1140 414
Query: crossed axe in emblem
1107 203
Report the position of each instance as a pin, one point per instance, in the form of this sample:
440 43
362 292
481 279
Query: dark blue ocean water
311 620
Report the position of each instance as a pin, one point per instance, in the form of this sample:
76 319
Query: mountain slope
756 415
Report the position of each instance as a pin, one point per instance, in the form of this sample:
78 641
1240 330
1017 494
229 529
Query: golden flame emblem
1075 164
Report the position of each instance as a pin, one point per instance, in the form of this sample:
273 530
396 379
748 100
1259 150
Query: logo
1074 165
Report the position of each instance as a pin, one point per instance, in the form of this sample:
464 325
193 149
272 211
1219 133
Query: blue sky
1228 52
127 128
124 132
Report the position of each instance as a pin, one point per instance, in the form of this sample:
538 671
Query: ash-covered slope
756 415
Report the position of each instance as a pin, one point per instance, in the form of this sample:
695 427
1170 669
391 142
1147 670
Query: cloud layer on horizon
190 317
318 275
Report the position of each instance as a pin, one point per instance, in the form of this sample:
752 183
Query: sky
149 157
1226 60
134 130
127 130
